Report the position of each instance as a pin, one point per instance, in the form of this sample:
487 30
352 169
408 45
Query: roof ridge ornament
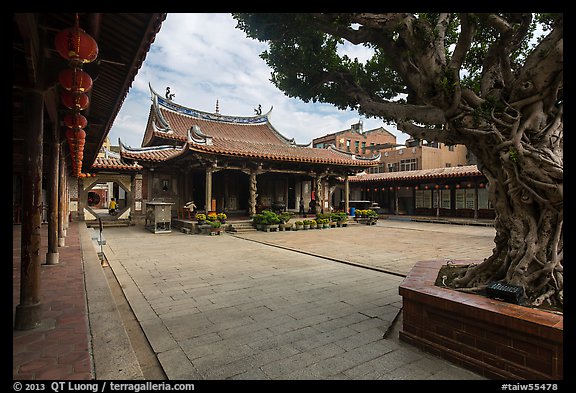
168 95
195 135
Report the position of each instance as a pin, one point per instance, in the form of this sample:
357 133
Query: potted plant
200 218
313 224
371 216
299 225
341 219
258 220
215 227
284 218
306 224
222 217
270 220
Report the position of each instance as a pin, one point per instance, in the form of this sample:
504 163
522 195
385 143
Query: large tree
482 80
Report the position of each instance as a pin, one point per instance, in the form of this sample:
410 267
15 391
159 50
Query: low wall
495 339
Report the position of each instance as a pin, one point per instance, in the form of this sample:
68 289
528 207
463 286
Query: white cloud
204 58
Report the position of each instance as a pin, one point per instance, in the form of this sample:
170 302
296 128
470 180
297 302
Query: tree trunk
526 190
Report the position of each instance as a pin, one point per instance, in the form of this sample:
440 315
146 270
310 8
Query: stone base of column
27 316
52 258
61 241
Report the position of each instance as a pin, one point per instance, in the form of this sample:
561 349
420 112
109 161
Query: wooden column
52 256
347 195
438 201
82 198
475 200
62 195
28 311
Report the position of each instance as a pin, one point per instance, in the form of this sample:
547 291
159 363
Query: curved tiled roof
421 174
152 154
252 137
114 163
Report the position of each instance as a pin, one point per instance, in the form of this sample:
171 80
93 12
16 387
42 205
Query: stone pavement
318 304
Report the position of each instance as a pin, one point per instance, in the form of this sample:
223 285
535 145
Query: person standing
112 207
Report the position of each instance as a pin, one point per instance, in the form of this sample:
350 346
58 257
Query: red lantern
458 186
80 135
446 186
436 186
481 185
416 187
69 134
425 187
75 80
76 45
74 101
75 121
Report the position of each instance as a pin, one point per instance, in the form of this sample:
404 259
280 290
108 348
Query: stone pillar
28 311
253 195
62 195
319 195
208 191
52 256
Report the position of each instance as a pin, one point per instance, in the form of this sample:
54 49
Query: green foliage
267 217
215 224
339 216
285 217
200 217
307 61
513 154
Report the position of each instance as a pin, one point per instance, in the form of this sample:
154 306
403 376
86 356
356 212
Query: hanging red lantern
75 80
76 45
446 186
74 101
80 134
75 121
481 185
436 186
458 186
69 134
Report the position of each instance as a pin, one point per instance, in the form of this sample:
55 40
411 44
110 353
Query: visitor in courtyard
112 207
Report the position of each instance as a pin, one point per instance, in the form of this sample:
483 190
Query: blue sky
204 58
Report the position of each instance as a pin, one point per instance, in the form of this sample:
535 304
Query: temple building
232 164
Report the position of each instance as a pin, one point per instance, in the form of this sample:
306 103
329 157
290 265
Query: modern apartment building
357 141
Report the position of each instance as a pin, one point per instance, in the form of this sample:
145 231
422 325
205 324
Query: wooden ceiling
123 40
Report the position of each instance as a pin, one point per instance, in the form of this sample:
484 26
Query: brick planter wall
495 339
